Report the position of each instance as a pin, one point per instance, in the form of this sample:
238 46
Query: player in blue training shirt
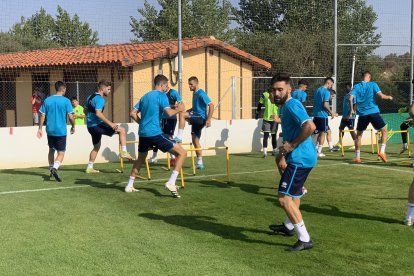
56 109
197 117
365 93
296 159
300 93
321 110
99 125
168 123
151 107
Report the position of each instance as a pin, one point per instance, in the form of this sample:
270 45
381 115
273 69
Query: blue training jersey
173 98
151 106
200 102
56 108
365 93
293 115
97 103
321 96
299 95
345 108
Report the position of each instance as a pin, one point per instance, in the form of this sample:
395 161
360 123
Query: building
131 67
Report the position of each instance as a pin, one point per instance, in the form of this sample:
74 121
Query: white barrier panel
20 148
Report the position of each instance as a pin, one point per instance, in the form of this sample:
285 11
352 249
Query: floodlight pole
180 52
335 57
412 52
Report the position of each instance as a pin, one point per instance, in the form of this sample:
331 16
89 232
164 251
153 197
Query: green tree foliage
199 18
44 31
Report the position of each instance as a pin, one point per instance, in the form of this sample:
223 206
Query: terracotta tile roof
125 54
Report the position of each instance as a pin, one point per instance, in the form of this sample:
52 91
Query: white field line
149 181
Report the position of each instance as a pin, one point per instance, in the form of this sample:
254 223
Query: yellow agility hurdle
192 157
392 132
227 160
353 130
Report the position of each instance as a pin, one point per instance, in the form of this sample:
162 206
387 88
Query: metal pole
77 90
412 52
233 98
353 69
180 52
335 57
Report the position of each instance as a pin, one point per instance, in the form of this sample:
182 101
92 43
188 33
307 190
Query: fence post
233 98
77 90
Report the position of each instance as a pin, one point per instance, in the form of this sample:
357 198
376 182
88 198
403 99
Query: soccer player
321 110
99 125
270 121
365 93
300 93
151 107
78 111
409 122
36 101
197 117
409 218
346 121
56 109
168 123
295 160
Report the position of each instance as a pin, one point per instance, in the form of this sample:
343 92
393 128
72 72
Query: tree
64 31
199 18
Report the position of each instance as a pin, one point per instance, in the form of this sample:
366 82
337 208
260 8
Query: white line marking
149 181
382 168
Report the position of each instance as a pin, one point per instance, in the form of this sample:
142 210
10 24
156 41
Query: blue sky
111 18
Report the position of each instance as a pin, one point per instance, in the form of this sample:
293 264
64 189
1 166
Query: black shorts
350 124
57 143
162 142
375 119
168 126
197 123
99 130
292 181
321 124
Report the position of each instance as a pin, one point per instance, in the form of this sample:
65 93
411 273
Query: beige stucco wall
121 96
55 75
23 94
141 80
247 90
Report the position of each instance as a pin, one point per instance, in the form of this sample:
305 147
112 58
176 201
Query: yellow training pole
148 169
168 161
192 159
372 141
228 164
342 143
121 161
409 144
182 178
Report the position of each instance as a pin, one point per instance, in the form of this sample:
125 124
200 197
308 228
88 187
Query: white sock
173 177
131 181
358 154
154 154
180 133
90 165
301 231
383 147
405 145
410 211
317 145
330 144
319 149
288 224
124 148
56 165
199 160
172 156
265 151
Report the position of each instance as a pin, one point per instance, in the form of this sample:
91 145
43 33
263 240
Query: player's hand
208 123
333 115
72 130
114 126
180 107
39 133
281 163
285 149
390 98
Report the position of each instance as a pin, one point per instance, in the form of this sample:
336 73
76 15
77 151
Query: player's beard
281 100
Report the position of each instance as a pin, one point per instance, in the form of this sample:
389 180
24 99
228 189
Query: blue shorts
321 124
99 130
375 119
292 181
162 142
57 143
350 124
168 126
197 123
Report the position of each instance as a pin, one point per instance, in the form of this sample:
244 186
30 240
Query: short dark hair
366 73
160 79
303 82
59 85
103 83
328 79
348 84
73 99
281 77
193 78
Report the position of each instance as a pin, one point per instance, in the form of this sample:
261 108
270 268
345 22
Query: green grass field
87 225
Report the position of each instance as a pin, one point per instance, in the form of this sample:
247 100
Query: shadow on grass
45 175
245 187
209 224
99 185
